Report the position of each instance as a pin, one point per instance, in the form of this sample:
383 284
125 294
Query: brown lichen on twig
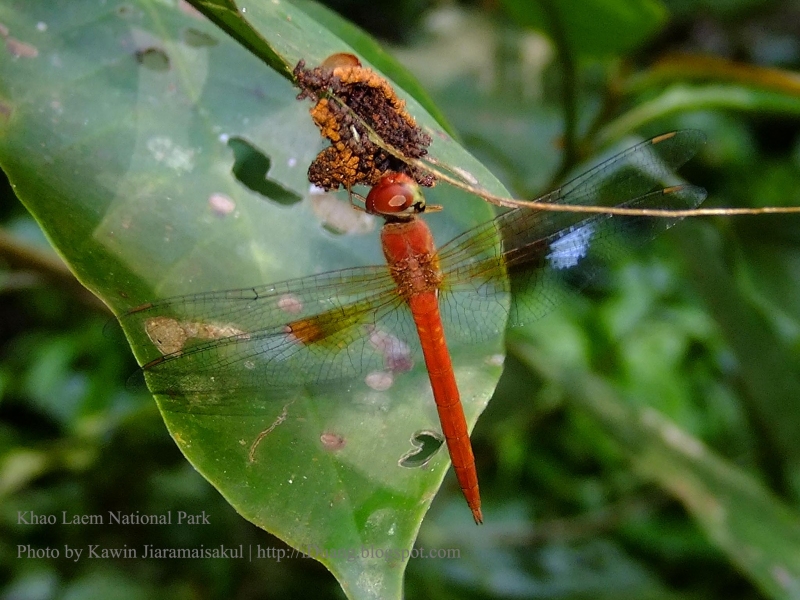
351 100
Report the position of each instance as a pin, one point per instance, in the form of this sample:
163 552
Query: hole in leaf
426 443
251 166
199 39
154 59
20 49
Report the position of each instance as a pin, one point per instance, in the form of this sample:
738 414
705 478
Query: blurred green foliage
643 441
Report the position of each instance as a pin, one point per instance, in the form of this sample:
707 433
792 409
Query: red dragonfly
210 347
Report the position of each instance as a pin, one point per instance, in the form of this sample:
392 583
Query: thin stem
430 165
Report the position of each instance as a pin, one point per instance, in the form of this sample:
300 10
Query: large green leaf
119 127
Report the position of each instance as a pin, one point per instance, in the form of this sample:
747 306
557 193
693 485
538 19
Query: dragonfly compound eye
395 194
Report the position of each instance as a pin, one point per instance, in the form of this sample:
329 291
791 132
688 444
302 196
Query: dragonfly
346 325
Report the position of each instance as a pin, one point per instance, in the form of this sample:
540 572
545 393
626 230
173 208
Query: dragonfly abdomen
409 249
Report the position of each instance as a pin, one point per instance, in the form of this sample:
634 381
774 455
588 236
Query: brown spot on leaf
170 335
167 334
21 49
332 441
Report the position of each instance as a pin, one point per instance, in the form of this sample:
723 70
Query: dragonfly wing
473 300
541 249
541 270
233 352
543 254
632 173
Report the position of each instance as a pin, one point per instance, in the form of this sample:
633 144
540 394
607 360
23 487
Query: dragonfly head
397 196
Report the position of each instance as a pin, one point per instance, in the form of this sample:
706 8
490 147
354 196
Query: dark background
576 520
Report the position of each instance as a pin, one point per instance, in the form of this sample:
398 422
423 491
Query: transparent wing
210 351
542 256
542 253
224 352
633 172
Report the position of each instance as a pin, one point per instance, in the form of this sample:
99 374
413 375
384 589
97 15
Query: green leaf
597 27
129 134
